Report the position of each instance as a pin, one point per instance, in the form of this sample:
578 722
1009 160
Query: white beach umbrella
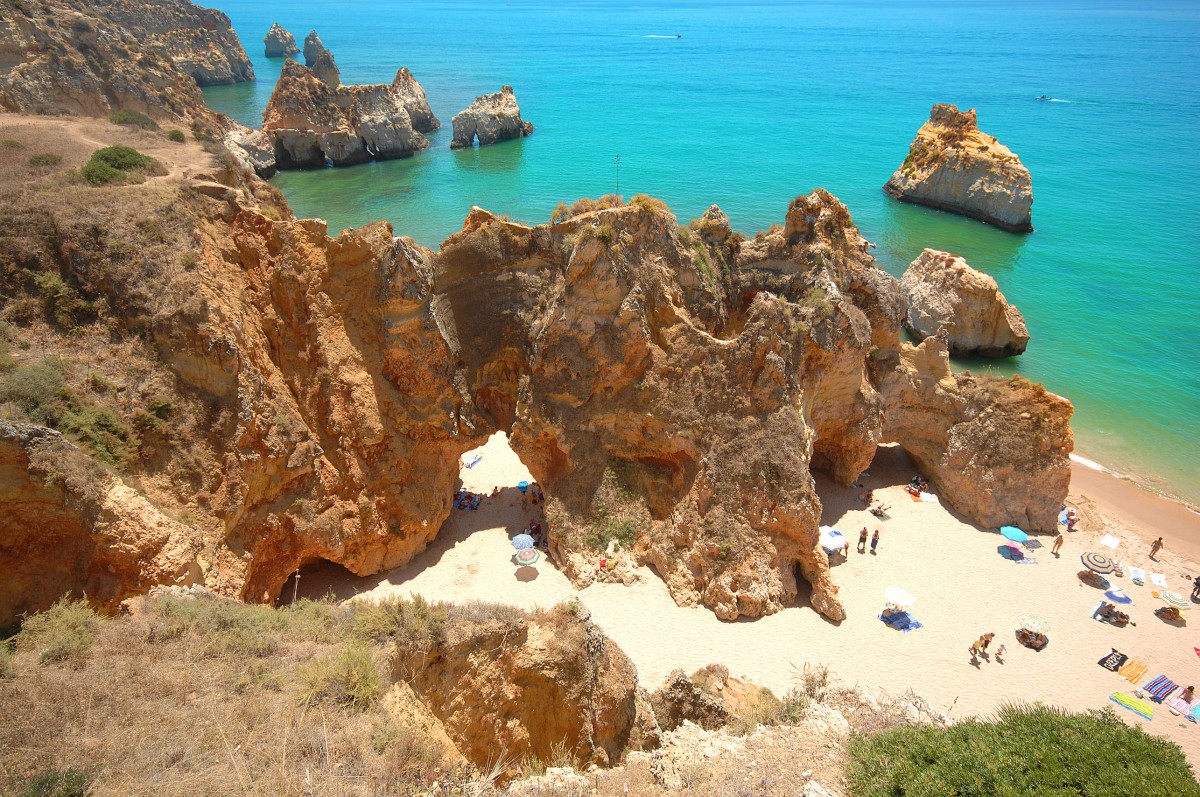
899 596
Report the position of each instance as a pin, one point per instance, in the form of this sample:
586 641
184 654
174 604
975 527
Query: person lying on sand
879 510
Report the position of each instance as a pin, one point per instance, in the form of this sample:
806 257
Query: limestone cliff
279 43
491 118
997 450
954 166
311 118
313 47
526 685
410 94
942 290
68 57
200 41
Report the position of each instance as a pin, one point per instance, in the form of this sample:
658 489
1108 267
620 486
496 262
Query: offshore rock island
491 118
954 166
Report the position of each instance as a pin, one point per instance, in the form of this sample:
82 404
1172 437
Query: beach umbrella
1033 623
1097 563
522 486
1117 596
1013 533
1174 599
898 596
522 542
831 539
528 556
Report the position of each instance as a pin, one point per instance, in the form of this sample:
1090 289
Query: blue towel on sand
901 621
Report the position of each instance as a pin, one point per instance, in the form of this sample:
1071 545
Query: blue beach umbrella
522 486
1117 596
1013 533
522 542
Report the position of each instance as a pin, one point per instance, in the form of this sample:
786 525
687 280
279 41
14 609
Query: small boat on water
1044 98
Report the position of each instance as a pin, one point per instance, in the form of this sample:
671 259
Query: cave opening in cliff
319 579
804 588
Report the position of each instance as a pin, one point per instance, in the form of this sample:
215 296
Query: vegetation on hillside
1028 750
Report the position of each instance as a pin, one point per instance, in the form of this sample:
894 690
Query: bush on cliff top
1029 750
114 164
133 118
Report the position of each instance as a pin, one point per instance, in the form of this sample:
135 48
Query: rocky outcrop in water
491 118
279 43
313 47
311 120
953 166
942 291
409 93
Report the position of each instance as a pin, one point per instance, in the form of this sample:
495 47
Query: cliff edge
954 166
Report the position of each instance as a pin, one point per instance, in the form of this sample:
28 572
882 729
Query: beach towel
474 460
1160 688
929 498
1109 541
1194 714
1158 579
1139 707
1133 671
1113 661
1182 706
901 621
1138 575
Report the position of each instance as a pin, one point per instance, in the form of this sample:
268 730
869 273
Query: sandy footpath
962 585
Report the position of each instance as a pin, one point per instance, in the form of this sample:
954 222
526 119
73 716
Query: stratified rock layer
953 166
943 291
491 118
279 43
311 118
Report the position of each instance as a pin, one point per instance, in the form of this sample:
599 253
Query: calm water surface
758 102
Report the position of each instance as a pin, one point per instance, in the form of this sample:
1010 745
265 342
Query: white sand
963 588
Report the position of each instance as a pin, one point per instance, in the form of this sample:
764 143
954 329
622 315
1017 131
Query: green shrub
111 164
99 431
6 662
12 143
622 530
39 389
127 117
415 624
63 302
348 678
1028 750
177 136
605 234
218 627
57 783
64 632
100 173
45 159
560 213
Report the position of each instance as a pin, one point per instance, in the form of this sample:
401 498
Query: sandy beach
962 586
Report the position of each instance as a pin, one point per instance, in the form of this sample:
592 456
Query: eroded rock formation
527 685
68 57
313 47
311 119
953 166
69 527
279 43
491 118
942 290
995 449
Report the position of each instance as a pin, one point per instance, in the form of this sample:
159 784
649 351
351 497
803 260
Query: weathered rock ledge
953 166
943 291
279 43
311 118
491 118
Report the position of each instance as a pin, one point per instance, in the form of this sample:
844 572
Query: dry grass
210 697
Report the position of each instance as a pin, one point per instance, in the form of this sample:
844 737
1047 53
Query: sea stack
953 166
491 118
944 292
279 43
313 46
312 120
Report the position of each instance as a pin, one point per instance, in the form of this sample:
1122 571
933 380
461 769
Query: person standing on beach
1058 543
1155 547
862 544
874 541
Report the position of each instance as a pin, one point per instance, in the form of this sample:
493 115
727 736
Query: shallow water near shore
758 102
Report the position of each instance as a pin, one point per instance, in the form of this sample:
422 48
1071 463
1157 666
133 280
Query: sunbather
879 510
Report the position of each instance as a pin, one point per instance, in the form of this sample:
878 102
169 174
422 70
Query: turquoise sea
748 104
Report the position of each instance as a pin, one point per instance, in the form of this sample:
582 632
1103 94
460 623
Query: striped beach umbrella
1098 563
1033 623
528 556
1174 599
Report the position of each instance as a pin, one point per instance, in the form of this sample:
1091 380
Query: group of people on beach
862 540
